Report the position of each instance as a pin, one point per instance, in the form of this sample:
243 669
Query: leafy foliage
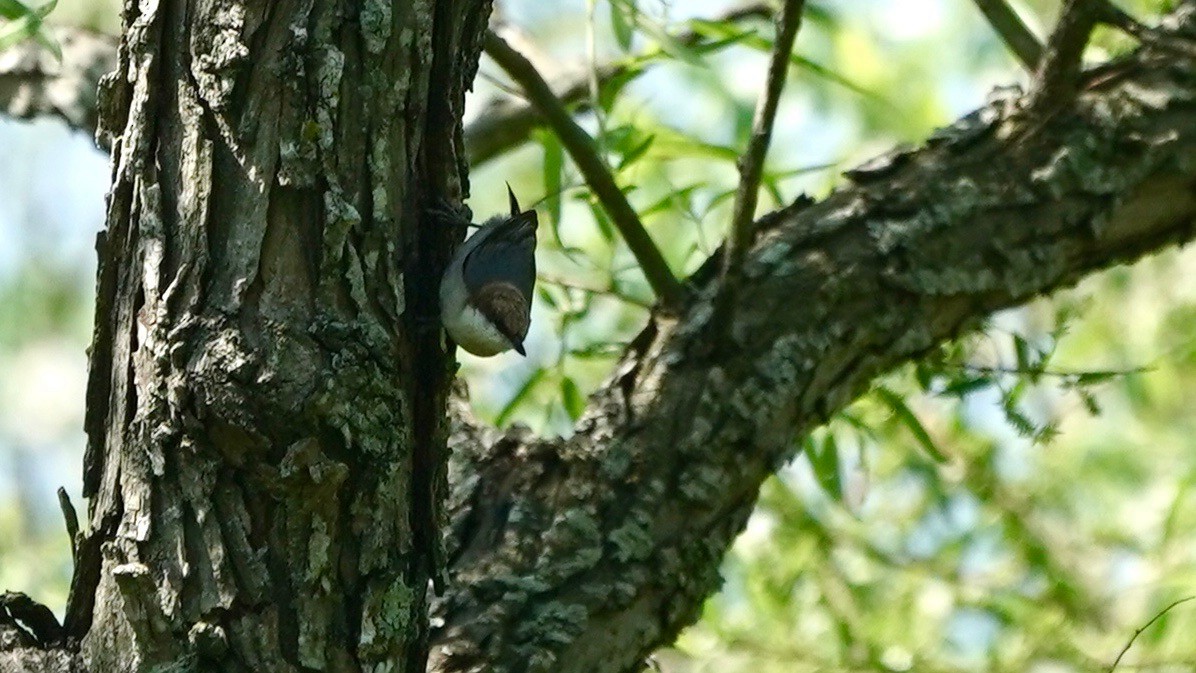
21 22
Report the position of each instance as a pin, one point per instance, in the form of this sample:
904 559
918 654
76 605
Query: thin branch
1051 373
71 518
1058 74
603 291
504 124
1145 626
751 162
1013 32
580 146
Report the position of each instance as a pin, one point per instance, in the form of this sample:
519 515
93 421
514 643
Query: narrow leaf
622 25
910 420
13 10
524 392
572 398
17 31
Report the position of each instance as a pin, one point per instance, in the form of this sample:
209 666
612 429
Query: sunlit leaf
521 397
824 460
635 152
12 9
571 397
623 14
910 420
966 385
18 31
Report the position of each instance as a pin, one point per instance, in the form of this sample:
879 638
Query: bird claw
452 214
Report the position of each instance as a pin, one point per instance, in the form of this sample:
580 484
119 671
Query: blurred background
1021 501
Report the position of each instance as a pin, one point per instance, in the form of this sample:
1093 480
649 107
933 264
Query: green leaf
759 43
605 226
910 420
572 398
609 90
925 375
853 420
834 77
824 460
670 201
1026 359
13 10
966 385
670 144
621 23
18 31
43 38
601 349
547 297
521 396
1017 420
774 190
635 152
1091 378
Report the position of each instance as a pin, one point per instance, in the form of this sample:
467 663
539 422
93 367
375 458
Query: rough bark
260 389
253 421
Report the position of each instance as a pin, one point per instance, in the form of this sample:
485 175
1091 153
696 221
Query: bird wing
506 254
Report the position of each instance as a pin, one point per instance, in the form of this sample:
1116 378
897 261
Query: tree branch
585 554
1012 31
751 162
581 148
1058 75
34 84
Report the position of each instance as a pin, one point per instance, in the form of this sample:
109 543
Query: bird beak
515 209
519 348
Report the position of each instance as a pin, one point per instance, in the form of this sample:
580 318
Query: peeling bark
259 385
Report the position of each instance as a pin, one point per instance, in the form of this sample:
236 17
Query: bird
486 290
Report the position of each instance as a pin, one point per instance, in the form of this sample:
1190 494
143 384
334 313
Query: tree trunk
265 409
257 417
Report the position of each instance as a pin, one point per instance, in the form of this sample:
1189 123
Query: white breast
464 323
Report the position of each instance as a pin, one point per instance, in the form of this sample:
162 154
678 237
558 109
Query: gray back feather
505 254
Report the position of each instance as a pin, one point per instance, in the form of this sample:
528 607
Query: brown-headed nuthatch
486 291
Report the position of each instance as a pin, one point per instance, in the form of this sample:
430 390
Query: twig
751 162
580 146
1111 373
71 518
581 287
1012 31
504 124
1058 76
1145 626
